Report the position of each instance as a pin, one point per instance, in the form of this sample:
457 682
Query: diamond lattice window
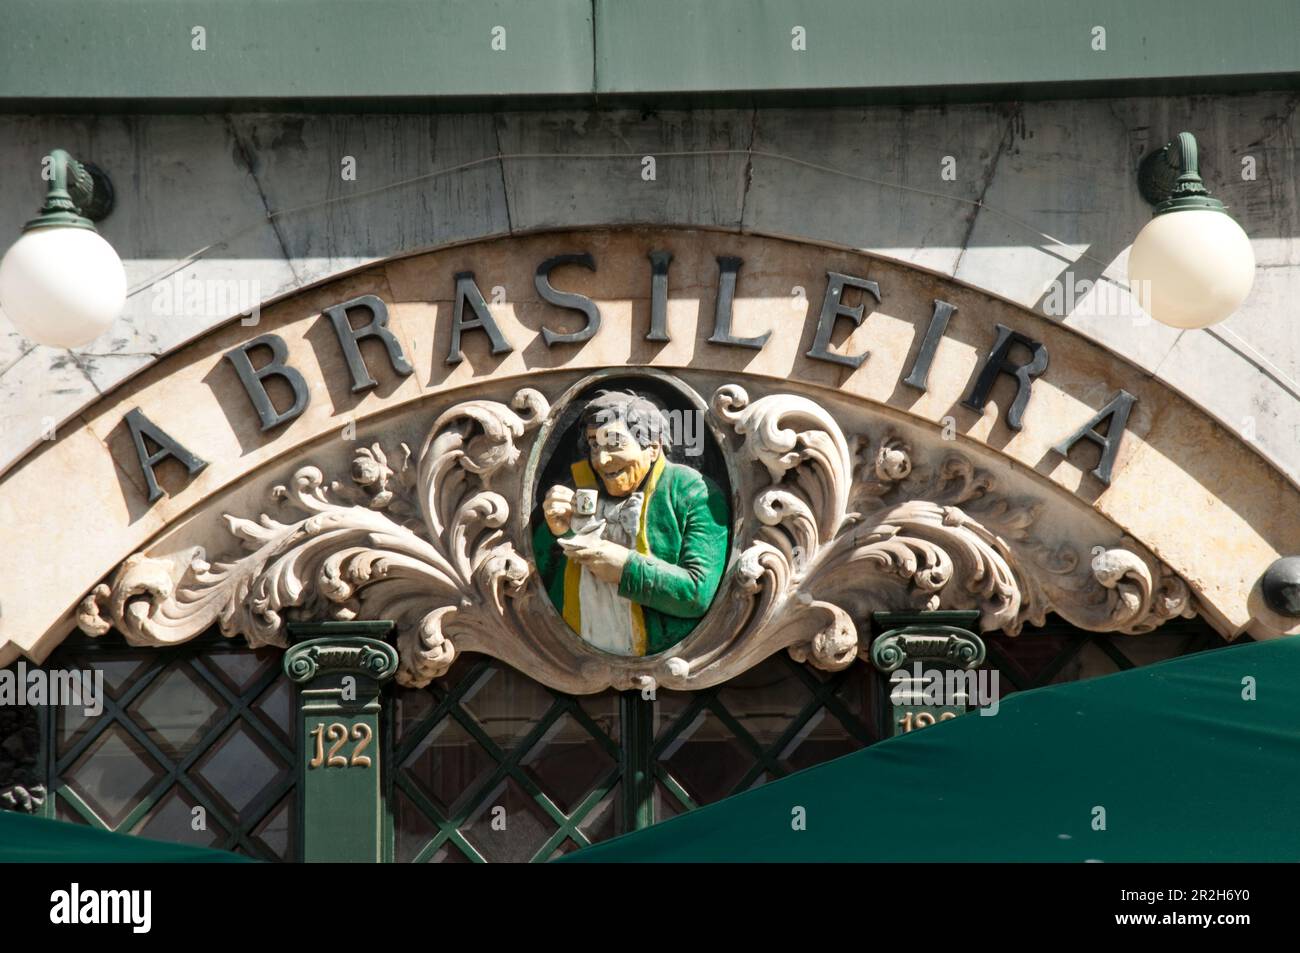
195 745
486 764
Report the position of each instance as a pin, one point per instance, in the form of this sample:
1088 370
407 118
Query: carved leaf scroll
347 558
833 528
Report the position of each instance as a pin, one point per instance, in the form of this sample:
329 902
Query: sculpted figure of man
632 552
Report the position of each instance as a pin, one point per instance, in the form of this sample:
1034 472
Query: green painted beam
395 55
684 46
60 50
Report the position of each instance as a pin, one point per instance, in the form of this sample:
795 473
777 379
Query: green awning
1184 763
27 839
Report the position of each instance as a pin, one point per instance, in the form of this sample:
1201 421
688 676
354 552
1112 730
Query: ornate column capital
344 648
948 637
922 695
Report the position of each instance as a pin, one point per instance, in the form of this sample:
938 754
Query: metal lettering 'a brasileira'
473 315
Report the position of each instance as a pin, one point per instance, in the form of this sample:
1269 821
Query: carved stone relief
831 526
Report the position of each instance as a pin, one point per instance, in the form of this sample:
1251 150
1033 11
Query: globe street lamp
61 284
1191 265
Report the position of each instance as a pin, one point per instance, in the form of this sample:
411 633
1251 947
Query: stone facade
1017 527
220 199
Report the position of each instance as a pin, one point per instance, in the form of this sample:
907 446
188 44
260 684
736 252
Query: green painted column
637 716
340 668
939 642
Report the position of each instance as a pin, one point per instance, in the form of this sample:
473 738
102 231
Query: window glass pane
603 709
605 820
707 759
508 825
567 775
178 817
240 667
176 709
1089 662
821 738
448 853
448 765
240 769
120 672
567 763
66 812
506 704
412 828
276 832
766 699
277 709
488 764
666 803
113 775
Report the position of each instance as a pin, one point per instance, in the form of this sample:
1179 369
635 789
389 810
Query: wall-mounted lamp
1191 265
61 284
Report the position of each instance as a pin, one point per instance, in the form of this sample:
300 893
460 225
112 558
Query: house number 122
337 733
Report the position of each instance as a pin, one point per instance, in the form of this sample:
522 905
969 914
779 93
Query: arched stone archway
864 479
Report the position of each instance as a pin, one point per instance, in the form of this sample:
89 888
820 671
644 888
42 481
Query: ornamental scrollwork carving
832 526
341 557
22 800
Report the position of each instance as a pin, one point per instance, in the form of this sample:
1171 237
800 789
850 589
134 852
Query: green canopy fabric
1185 766
27 839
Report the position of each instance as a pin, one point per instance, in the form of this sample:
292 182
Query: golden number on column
361 732
338 733
922 719
317 761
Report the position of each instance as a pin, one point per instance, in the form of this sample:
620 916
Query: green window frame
240 695
578 769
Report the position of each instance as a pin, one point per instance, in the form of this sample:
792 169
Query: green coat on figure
680 553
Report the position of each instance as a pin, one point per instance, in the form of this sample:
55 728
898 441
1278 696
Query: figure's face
619 461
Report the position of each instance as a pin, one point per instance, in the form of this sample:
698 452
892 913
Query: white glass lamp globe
1191 268
62 285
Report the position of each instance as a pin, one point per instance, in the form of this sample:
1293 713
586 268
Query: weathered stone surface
328 223
1065 169
1235 514
1266 328
1263 414
38 393
580 168
894 198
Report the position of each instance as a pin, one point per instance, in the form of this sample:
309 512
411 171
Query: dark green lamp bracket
79 194
1170 178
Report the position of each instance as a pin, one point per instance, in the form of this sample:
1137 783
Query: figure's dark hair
644 421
